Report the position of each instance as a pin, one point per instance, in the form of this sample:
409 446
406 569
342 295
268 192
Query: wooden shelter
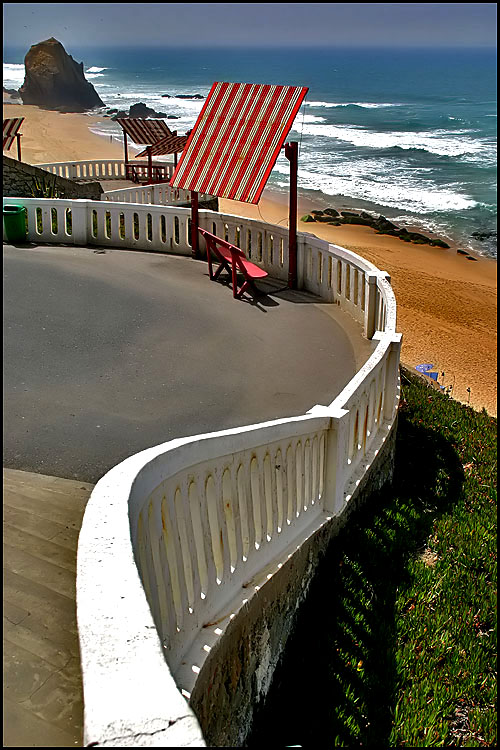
144 131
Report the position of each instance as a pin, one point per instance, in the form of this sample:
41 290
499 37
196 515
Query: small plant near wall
44 188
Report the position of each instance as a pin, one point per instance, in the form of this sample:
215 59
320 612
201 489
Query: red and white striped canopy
144 131
10 130
172 144
237 138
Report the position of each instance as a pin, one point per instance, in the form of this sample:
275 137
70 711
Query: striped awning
237 138
144 131
10 130
172 144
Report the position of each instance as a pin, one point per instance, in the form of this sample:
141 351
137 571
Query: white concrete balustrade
100 169
160 195
333 273
177 539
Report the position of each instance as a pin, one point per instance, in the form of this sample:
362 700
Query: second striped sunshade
144 131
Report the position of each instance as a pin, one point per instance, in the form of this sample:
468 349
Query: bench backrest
222 246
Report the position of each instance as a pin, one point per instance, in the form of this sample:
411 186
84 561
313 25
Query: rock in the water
141 110
11 92
54 80
189 96
182 96
120 114
484 235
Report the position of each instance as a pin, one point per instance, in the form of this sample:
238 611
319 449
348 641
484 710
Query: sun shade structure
144 131
172 144
237 138
11 132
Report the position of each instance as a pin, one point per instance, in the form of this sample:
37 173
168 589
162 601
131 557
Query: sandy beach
447 304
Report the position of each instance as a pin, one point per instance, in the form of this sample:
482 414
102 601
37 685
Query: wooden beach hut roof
10 130
237 138
144 131
172 144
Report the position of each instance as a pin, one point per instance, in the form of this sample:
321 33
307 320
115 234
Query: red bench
231 259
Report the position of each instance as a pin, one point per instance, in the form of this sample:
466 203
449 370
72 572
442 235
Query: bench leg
242 289
235 281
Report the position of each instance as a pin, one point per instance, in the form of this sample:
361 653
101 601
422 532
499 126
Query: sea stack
55 81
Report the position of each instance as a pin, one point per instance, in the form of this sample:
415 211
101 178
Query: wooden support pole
194 225
125 152
150 165
291 153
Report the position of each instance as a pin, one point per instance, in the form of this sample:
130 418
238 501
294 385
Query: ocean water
410 134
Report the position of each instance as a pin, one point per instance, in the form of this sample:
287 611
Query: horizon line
286 46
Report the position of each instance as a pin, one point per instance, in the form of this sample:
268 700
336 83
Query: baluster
199 521
186 549
222 531
290 486
315 471
173 551
231 514
280 479
269 495
164 588
307 475
214 526
246 510
299 479
256 500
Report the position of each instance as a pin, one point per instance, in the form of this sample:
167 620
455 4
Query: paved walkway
107 353
43 703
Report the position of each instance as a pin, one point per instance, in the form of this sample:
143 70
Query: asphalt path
109 352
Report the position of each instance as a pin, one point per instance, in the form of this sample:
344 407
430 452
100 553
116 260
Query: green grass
396 642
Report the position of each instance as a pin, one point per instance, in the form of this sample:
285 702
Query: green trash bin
14 221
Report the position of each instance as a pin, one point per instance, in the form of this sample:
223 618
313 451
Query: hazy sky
251 24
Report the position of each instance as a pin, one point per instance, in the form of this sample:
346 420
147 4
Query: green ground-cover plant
395 644
44 187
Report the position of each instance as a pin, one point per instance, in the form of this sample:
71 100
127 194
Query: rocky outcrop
140 110
379 223
481 236
55 81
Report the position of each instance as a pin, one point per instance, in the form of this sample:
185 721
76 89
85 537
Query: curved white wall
177 539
